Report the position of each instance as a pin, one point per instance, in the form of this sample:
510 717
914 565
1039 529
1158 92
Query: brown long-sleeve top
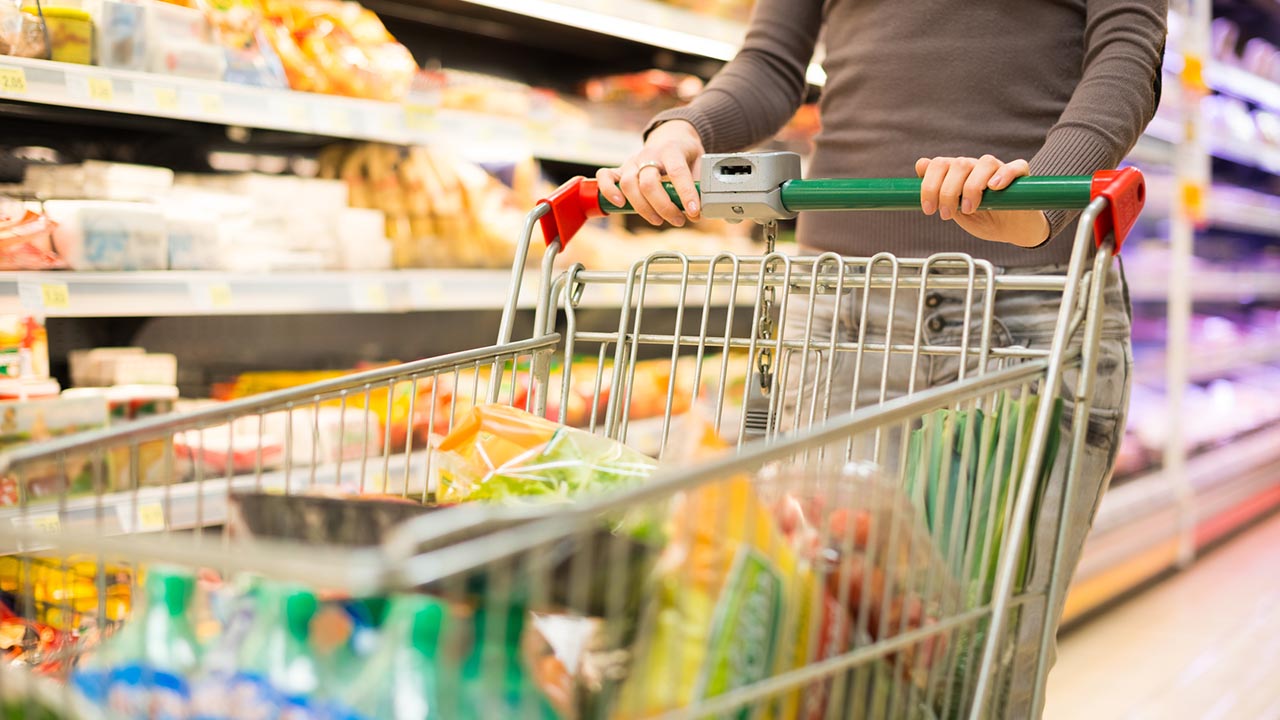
1067 84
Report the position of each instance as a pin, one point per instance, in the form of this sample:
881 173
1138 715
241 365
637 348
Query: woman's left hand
953 188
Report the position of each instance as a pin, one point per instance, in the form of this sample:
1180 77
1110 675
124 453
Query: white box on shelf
98 180
362 237
107 235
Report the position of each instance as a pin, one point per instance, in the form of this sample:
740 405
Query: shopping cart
909 614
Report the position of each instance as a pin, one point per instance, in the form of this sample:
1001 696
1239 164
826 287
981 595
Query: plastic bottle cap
428 621
171 588
299 607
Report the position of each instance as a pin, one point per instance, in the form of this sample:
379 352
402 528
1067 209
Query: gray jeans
1021 318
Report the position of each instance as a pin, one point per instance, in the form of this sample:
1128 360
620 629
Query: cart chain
765 331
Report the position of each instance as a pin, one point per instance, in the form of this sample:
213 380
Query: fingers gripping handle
1126 193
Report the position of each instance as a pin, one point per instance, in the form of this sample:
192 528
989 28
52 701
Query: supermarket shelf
183 294
1166 133
1136 533
191 505
1233 81
643 21
415 121
1243 84
1210 286
1204 365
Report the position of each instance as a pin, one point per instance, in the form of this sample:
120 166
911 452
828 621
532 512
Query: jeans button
936 324
933 300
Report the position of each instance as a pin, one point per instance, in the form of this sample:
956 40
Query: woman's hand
953 188
672 150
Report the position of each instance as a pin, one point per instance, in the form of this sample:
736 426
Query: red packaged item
26 239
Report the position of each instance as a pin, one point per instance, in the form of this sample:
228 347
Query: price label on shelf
209 103
295 113
13 81
101 90
55 296
337 121
419 118
427 295
166 99
44 522
211 296
92 89
150 517
41 297
369 297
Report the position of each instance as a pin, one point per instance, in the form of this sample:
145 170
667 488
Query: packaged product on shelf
24 347
64 591
440 210
362 235
238 449
26 238
23 389
22 34
122 34
338 48
105 367
502 453
37 420
98 180
70 32
179 41
250 58
109 235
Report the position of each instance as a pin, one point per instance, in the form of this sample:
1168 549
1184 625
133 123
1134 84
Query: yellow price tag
419 118
150 517
101 90
210 104
297 115
376 295
166 99
13 80
427 295
220 295
55 296
45 523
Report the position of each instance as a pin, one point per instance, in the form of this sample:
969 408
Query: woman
969 95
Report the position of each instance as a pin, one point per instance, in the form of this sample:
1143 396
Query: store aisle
1203 645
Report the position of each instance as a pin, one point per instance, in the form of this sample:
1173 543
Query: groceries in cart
503 453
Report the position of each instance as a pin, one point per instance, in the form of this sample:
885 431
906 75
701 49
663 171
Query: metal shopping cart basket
865 555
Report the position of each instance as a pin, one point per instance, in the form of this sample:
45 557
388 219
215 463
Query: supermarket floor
1204 644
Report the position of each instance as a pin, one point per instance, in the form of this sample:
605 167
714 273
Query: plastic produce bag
502 453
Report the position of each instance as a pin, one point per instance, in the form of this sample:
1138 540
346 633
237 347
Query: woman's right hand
672 151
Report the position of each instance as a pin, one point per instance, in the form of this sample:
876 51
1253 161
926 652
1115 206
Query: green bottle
401 680
494 680
277 672
145 669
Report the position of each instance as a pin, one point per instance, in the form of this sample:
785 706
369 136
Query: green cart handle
579 200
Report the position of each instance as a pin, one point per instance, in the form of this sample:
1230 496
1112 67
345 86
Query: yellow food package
729 606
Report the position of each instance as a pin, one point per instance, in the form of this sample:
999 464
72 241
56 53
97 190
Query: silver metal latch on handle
747 186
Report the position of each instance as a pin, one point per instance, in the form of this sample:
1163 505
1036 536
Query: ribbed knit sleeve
1116 97
757 92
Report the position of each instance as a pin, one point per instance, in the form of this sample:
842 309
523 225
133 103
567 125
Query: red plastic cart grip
572 204
1126 193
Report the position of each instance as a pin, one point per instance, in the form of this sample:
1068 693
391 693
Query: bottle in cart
143 671
402 680
277 675
494 681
